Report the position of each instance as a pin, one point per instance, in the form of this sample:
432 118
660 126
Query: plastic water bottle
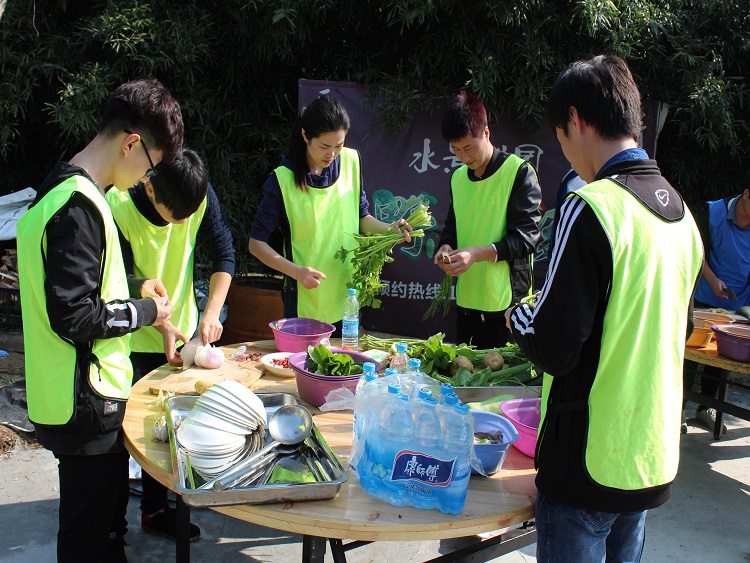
458 432
350 324
368 375
445 390
368 369
399 361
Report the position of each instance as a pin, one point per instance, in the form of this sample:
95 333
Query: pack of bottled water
412 440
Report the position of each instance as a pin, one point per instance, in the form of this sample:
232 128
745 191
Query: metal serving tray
178 407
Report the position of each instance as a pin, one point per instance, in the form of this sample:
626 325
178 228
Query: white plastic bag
339 400
12 206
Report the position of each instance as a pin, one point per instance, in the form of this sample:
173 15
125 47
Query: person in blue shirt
725 230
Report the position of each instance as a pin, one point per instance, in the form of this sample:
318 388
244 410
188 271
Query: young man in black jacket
609 327
78 315
492 227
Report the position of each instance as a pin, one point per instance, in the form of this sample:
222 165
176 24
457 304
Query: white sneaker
708 417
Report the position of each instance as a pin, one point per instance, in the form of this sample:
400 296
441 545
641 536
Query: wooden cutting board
183 382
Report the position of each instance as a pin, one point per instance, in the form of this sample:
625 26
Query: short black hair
146 107
181 185
603 92
465 116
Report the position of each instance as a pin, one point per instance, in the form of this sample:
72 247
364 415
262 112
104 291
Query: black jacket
73 265
522 223
563 337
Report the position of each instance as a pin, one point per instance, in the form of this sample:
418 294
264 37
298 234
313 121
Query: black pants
154 493
93 503
483 330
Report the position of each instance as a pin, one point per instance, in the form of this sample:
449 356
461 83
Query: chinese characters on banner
402 169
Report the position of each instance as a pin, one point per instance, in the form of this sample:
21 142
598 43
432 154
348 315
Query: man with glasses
78 315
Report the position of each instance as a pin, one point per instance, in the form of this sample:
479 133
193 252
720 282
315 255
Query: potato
493 360
461 362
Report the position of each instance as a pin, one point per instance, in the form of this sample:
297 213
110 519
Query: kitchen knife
729 293
188 351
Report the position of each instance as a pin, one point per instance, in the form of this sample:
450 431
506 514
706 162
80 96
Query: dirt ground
11 370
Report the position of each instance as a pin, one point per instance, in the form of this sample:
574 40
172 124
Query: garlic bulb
160 432
209 357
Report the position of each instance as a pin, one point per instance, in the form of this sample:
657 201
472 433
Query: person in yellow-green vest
78 315
160 221
609 326
492 227
317 199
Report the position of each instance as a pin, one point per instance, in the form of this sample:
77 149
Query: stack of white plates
225 424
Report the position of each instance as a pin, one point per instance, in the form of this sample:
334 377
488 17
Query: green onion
373 251
442 299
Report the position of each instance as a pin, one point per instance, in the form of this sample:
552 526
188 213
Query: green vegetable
442 300
373 251
324 362
437 356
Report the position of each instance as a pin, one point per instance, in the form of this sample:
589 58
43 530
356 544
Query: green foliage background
234 66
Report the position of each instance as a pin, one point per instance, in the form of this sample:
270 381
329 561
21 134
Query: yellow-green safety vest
322 221
481 219
166 253
51 359
635 402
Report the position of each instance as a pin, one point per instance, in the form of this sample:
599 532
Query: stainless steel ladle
290 424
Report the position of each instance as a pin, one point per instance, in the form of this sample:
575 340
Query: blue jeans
567 534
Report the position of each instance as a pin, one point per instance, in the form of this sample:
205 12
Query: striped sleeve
553 331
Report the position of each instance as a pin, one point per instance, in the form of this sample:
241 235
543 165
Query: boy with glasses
160 221
78 315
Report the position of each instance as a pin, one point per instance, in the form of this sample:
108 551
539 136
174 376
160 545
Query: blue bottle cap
351 291
395 389
432 401
451 399
414 362
462 408
390 371
425 392
446 388
403 397
402 346
371 376
368 366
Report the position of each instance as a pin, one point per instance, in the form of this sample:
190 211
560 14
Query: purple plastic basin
296 334
733 346
525 415
313 387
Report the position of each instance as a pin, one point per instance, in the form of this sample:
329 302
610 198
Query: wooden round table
503 501
709 355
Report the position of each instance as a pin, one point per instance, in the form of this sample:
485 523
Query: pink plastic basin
525 415
296 334
313 387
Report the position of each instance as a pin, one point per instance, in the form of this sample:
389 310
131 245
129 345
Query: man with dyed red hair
492 228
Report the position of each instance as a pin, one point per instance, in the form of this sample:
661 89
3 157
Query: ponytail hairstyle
323 115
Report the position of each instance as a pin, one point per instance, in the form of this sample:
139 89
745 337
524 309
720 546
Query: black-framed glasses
151 172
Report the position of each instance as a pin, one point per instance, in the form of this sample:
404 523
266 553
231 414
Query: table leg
313 549
722 396
182 536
